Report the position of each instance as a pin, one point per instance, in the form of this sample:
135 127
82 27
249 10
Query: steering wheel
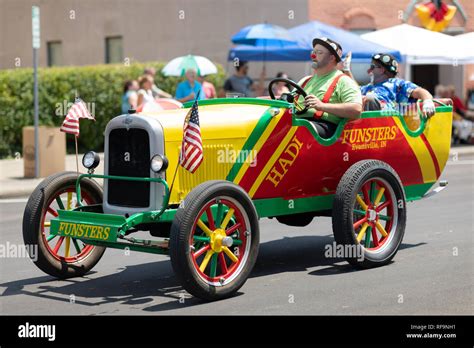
300 109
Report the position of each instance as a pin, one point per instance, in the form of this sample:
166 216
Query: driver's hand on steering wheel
313 102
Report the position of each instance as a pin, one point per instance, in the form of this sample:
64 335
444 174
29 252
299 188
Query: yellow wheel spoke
68 244
227 218
47 224
230 254
379 196
381 229
361 202
203 227
206 260
362 231
69 200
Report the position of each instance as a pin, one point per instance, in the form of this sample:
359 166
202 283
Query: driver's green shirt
347 91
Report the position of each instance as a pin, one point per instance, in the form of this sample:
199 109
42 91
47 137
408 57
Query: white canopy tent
466 40
421 46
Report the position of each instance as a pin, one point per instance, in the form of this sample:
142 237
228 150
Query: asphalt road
431 274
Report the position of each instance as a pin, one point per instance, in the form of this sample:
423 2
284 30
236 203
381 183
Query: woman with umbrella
190 66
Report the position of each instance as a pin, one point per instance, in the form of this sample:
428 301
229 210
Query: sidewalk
12 183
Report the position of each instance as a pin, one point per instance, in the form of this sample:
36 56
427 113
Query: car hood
226 121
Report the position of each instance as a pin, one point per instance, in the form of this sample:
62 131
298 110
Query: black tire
343 213
182 229
35 209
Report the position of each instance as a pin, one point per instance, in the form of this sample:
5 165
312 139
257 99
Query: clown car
261 160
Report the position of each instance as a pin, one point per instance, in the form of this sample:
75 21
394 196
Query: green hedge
98 84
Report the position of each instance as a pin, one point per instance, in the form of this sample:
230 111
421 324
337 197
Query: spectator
462 128
157 93
458 105
207 88
280 87
129 97
145 94
241 83
440 92
188 89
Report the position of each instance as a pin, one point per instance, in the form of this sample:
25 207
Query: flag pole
179 158
174 177
77 156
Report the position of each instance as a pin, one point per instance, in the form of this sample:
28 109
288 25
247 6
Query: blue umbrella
362 50
263 35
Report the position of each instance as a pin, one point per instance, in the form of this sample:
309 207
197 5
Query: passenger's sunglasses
373 66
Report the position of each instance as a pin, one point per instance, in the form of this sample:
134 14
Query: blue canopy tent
362 50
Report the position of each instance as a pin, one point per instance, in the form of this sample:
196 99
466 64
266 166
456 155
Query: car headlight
90 160
158 163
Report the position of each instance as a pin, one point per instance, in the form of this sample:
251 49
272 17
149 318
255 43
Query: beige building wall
151 29
163 29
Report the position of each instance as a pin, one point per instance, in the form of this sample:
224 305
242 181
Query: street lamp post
35 23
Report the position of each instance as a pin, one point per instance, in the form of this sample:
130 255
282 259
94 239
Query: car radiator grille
211 168
129 155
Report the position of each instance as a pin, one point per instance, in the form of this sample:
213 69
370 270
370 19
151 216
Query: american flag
190 156
71 121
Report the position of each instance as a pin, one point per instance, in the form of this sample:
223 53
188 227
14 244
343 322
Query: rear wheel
369 213
60 256
214 240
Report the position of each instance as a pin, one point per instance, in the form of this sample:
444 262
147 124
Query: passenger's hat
387 60
331 45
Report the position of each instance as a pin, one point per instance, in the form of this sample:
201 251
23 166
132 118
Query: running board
442 185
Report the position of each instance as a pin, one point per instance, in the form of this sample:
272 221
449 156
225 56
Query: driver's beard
321 64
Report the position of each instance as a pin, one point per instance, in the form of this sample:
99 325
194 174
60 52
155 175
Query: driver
332 95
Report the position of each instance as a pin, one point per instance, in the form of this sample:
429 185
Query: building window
113 49
55 53
359 20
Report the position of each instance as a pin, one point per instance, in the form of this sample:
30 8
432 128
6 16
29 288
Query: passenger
189 88
386 92
332 96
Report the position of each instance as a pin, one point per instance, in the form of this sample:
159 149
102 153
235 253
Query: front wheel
59 256
214 240
369 213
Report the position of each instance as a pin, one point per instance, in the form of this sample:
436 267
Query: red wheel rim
374 214
215 262
59 246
